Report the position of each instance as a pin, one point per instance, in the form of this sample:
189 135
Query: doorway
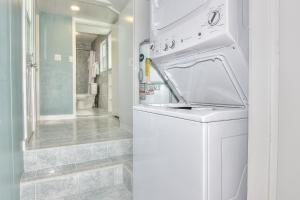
87 72
93 71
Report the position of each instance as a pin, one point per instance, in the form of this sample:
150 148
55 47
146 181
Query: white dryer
195 149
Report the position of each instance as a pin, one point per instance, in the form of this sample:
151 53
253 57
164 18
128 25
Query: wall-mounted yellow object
148 64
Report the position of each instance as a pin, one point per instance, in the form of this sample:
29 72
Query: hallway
78 131
92 112
87 158
74 146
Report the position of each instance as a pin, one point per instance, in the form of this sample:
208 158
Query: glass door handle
34 66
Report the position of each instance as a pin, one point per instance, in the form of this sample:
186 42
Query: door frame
26 134
100 26
74 65
263 99
24 78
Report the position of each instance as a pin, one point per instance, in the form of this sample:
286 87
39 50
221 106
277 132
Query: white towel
97 67
92 69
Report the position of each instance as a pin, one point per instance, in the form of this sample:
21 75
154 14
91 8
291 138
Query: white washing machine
195 149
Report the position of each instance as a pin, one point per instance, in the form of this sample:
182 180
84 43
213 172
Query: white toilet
86 101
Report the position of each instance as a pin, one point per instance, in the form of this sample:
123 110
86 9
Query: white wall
141 32
274 139
126 66
115 69
263 100
289 99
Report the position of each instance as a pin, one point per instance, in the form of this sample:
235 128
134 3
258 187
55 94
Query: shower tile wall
82 71
103 78
56 75
103 96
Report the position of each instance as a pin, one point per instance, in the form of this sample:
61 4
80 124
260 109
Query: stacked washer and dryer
195 149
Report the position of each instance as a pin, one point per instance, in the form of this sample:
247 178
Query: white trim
135 83
38 106
56 117
141 31
92 22
24 82
135 53
263 93
274 99
34 80
96 27
74 64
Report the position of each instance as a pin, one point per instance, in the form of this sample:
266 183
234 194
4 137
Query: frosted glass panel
204 82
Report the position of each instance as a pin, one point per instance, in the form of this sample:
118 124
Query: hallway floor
91 112
78 131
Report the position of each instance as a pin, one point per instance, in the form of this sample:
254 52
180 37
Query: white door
31 68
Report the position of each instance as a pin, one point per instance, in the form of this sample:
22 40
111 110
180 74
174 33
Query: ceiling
97 10
86 37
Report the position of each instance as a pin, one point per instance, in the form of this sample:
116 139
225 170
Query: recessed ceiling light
129 19
75 8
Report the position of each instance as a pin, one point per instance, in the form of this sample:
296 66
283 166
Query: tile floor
92 112
78 131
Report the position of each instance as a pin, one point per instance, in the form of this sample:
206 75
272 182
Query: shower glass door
31 68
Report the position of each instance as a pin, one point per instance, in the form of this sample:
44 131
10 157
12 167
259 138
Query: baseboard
126 127
56 117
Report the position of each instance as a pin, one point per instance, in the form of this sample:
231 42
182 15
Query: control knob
152 47
172 45
214 17
166 47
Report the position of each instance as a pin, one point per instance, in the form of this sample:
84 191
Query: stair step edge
74 168
71 145
118 192
67 155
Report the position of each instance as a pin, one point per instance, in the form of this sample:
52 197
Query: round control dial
152 47
172 45
214 17
166 48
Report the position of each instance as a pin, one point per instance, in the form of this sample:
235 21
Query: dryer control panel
209 26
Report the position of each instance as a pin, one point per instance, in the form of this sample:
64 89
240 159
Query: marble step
38 159
118 192
128 175
76 180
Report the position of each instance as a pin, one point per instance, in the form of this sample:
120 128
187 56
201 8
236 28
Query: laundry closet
193 145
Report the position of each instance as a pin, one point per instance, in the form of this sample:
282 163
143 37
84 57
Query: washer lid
205 81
